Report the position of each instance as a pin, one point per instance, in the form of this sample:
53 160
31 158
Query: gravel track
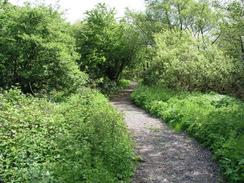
166 156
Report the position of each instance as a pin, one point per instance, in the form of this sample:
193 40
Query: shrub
187 63
81 139
217 121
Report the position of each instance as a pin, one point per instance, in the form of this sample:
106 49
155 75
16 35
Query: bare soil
166 156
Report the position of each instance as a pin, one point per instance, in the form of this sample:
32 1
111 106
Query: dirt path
167 156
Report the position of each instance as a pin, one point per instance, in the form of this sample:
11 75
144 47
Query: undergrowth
79 138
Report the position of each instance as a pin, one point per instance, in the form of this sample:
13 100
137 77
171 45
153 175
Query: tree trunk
168 19
242 47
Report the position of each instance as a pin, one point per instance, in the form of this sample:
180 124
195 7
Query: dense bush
190 64
37 51
80 138
217 121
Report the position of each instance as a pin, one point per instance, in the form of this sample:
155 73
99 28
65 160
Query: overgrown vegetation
81 138
54 128
217 121
184 62
189 45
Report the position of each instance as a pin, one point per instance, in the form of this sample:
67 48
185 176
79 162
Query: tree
36 49
198 17
105 45
232 35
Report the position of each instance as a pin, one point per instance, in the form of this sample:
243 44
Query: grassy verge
216 121
80 138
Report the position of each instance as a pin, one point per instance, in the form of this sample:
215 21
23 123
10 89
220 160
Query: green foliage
109 88
106 46
217 121
231 30
37 50
187 63
72 134
197 16
198 45
81 139
124 83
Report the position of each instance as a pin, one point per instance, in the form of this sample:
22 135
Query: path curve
167 156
